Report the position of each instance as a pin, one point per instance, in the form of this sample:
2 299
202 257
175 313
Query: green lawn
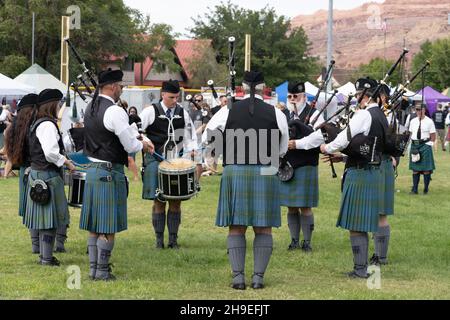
418 269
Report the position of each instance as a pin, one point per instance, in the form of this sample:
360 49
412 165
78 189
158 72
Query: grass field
419 251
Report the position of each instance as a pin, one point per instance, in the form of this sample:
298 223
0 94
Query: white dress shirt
190 136
116 120
359 123
426 128
219 121
300 109
4 115
447 120
48 137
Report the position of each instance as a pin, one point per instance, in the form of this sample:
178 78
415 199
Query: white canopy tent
346 89
37 77
12 89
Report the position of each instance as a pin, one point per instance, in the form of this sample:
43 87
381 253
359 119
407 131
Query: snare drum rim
176 171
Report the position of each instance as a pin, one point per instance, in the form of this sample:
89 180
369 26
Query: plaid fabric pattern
53 214
302 191
23 192
104 202
362 200
388 174
426 162
248 198
150 182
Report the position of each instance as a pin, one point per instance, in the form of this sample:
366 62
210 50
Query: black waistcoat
100 143
36 154
301 158
239 117
157 131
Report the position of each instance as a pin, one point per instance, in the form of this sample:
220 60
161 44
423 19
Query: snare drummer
46 156
108 140
155 125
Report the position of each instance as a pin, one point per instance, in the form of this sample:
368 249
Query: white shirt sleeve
48 137
447 120
190 136
359 123
217 122
4 115
284 130
432 127
312 141
147 117
68 147
116 120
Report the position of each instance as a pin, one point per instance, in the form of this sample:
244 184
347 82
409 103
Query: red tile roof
185 50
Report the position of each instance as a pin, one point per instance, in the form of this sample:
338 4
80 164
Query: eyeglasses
418 109
295 96
198 100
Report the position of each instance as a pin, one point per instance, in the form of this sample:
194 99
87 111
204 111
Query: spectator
439 122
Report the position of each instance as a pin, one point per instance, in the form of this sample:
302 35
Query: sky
178 13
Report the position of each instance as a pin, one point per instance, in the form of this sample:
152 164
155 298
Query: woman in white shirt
423 135
46 152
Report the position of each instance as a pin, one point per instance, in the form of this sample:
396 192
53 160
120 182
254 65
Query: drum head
177 164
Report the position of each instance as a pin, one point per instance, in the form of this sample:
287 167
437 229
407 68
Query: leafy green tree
438 74
376 69
13 65
107 28
280 52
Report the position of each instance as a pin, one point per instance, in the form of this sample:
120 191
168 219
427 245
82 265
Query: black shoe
354 275
306 246
173 245
257 285
107 277
375 260
425 191
294 245
60 250
238 286
52 263
413 191
159 245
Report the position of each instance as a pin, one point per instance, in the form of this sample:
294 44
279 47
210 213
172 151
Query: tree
107 28
438 74
376 69
280 52
203 66
13 65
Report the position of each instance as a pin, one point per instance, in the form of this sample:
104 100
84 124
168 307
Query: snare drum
177 180
77 181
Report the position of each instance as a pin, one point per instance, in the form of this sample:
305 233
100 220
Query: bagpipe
396 142
231 90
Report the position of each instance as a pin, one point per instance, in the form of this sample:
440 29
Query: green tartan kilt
426 162
302 191
104 202
248 198
150 179
53 214
388 175
23 191
362 200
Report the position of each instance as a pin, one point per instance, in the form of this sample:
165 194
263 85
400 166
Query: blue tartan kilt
53 214
23 191
302 191
426 162
150 179
104 202
362 200
248 198
388 184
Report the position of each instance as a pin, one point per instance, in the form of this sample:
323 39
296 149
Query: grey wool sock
92 250
262 250
61 236
237 246
382 242
173 224
293 220
307 227
159 224
34 234
104 249
360 246
47 242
